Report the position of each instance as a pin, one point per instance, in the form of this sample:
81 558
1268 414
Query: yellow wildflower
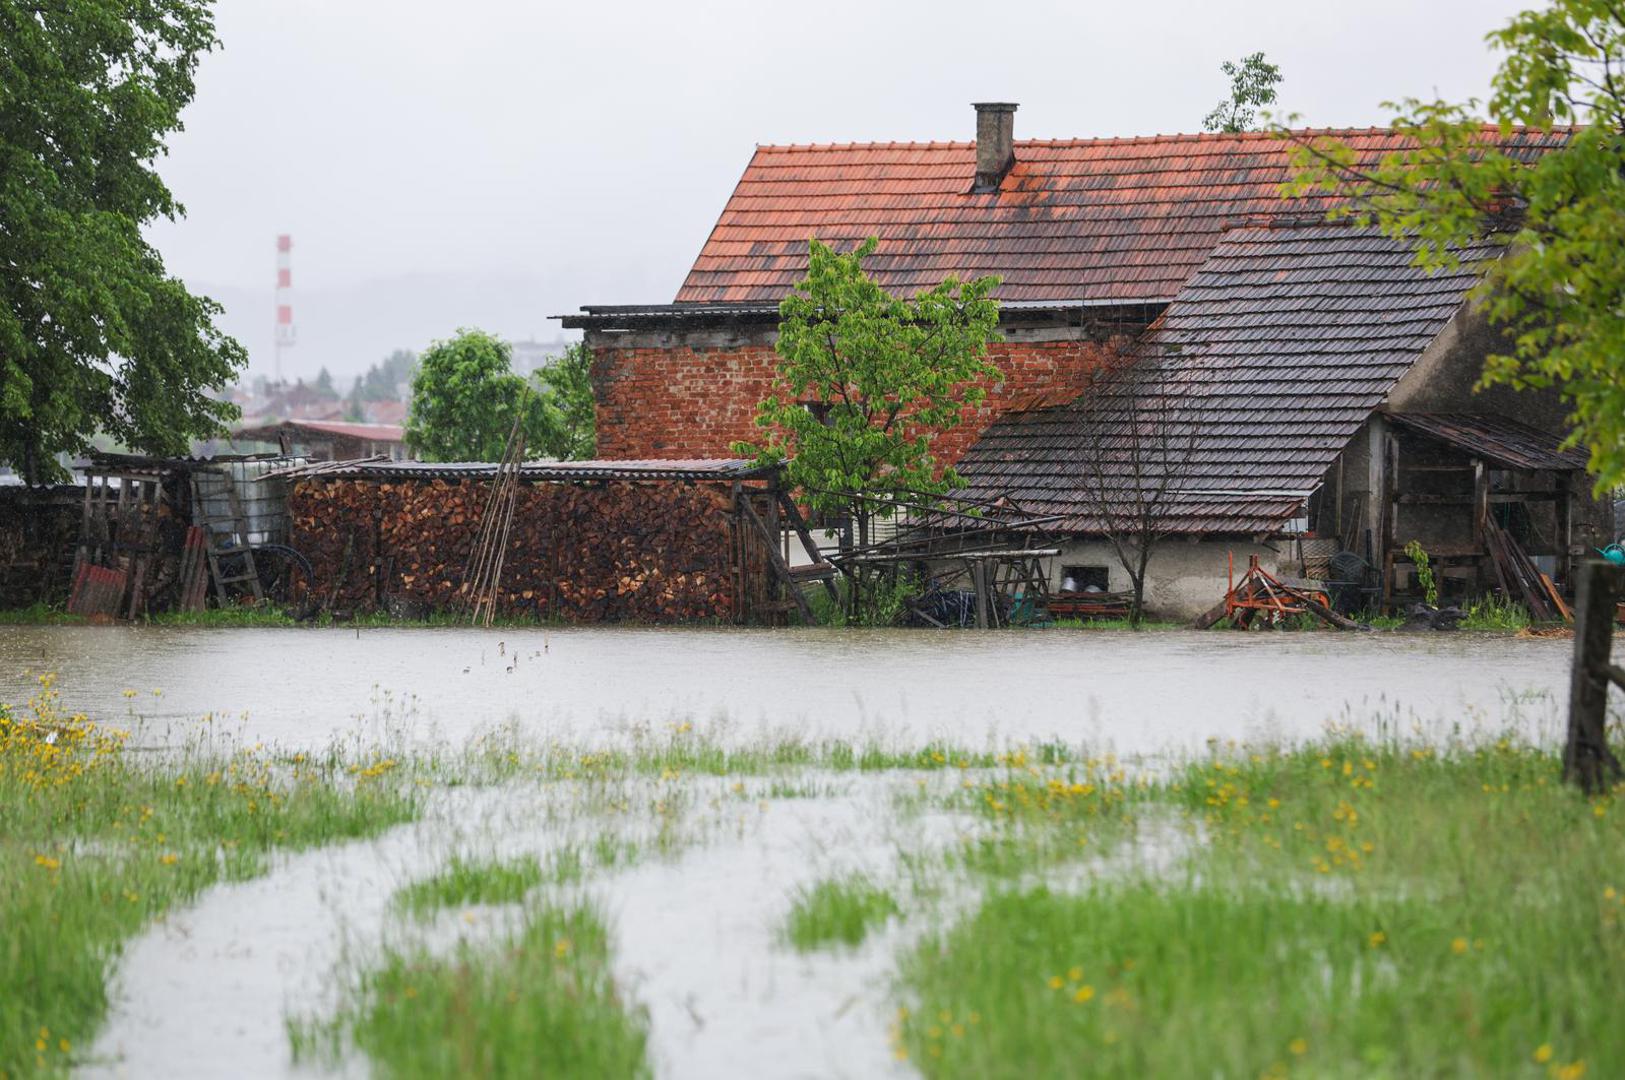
1542 1054
1083 994
1377 939
1298 1046
1459 946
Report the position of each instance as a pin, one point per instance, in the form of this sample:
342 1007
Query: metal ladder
215 528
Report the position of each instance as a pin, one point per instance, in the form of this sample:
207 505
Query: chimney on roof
995 143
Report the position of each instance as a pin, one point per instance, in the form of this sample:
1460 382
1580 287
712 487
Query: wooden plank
792 514
773 556
1557 599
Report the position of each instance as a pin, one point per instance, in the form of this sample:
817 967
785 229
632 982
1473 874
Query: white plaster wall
1185 578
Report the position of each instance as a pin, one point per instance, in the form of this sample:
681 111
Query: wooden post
978 577
1565 528
1587 760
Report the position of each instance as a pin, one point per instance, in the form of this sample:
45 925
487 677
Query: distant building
1326 382
324 440
531 355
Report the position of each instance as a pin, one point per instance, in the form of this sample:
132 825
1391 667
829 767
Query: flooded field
797 853
1131 693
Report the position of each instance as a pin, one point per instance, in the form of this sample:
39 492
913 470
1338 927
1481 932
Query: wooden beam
748 512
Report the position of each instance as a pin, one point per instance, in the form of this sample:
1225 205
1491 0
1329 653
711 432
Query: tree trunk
1587 759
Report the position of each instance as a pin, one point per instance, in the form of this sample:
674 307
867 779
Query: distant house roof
1277 350
385 412
1124 220
373 432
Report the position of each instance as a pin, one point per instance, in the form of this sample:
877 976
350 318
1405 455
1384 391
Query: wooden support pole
776 560
1587 759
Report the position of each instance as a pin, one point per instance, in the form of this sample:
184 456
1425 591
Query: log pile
582 552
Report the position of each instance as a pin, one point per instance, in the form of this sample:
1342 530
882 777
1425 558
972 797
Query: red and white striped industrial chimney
284 299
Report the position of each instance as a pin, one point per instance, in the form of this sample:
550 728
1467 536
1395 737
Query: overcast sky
494 162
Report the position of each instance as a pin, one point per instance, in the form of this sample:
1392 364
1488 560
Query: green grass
1357 910
38 615
1496 613
97 841
465 881
539 1003
237 615
838 911
1115 624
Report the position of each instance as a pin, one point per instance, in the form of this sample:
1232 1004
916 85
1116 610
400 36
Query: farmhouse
1324 386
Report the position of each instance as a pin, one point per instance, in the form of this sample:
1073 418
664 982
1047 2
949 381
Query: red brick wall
693 402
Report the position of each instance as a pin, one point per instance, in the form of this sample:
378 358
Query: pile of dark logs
582 552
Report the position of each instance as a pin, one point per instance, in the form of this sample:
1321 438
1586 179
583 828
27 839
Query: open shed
1488 498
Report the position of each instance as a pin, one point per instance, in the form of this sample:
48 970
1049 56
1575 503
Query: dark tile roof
1274 353
1507 443
1086 219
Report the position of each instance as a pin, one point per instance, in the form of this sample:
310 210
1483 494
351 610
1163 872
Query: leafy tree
1252 86
94 334
324 384
866 381
568 406
465 397
1559 289
382 382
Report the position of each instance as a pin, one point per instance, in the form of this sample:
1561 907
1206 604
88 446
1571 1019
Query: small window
1085 579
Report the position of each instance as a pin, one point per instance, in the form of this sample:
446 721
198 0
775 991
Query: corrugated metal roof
1274 354
1508 443
1086 219
675 469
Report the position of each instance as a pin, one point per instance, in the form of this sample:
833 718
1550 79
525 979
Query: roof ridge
1130 140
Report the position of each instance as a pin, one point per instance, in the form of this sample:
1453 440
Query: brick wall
687 401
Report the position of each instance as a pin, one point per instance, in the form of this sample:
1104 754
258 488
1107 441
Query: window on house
1085 579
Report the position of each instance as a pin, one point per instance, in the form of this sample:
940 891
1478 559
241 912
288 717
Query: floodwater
207 990
1132 693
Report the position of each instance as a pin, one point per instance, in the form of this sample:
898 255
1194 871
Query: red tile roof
1083 219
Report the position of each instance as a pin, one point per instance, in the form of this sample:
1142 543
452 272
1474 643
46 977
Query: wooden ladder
234 526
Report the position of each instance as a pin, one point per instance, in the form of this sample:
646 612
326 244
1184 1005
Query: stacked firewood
600 552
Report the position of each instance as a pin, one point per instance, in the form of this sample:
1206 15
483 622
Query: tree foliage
1559 290
866 381
382 381
568 407
1252 86
94 334
465 396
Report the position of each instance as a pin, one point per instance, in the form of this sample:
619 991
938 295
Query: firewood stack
582 552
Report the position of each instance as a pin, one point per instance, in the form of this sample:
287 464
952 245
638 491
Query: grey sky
493 162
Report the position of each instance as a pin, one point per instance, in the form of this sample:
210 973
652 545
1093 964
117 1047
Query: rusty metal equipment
1260 598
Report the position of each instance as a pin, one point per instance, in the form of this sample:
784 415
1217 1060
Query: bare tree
1134 446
